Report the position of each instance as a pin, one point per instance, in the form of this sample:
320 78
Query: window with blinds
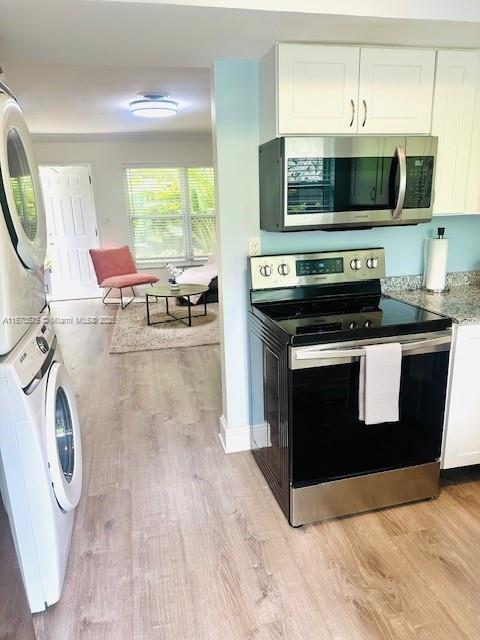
172 212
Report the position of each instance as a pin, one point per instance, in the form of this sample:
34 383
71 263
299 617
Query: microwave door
342 185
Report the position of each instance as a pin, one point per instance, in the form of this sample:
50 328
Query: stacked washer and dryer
40 446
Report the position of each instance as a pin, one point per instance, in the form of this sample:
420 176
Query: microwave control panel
290 270
419 182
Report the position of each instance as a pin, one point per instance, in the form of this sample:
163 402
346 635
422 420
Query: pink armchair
115 269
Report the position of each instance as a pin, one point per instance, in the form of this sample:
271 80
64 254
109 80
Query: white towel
379 383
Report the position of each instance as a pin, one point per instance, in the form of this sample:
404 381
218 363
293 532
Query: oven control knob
356 264
368 324
352 325
283 269
266 270
372 263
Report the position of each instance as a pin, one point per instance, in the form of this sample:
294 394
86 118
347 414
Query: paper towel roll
436 250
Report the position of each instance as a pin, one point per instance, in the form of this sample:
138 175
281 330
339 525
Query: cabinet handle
365 116
353 112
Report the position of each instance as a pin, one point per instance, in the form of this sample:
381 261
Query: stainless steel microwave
346 182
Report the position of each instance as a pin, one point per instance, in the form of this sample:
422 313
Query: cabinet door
317 89
453 116
396 90
472 200
462 425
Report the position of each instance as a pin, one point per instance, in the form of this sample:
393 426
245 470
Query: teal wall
403 245
235 94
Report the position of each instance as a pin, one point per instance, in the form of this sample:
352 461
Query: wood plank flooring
176 541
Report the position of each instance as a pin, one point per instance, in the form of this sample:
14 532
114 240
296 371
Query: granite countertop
461 303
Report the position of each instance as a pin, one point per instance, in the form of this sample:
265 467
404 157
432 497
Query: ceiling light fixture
154 105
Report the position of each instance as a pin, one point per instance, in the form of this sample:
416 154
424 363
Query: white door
71 231
453 118
396 90
62 436
317 89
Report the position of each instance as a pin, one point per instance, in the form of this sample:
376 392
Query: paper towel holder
441 234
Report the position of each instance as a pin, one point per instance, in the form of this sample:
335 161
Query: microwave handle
402 163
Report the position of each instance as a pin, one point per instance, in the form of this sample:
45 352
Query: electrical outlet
254 248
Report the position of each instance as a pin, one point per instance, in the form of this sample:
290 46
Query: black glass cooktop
349 318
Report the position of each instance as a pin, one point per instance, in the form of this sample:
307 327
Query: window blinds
171 212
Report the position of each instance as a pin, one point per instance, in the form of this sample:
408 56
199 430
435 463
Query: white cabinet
457 182
396 90
462 418
472 202
317 89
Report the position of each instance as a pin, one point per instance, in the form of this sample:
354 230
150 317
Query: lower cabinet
461 445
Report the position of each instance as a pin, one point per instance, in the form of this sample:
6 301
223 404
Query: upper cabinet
455 122
396 90
472 200
316 89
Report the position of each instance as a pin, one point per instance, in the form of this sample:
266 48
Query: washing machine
40 445
22 226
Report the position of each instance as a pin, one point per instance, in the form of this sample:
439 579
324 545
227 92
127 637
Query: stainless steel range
311 317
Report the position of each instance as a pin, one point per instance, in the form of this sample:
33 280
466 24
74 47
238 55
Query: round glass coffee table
185 291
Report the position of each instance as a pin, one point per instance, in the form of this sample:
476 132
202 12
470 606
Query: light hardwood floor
176 541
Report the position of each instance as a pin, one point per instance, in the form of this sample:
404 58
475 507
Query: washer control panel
329 267
29 358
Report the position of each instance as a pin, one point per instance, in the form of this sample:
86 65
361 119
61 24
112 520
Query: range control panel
330 267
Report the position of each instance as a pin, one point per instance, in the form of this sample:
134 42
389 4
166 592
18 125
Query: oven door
363 181
328 440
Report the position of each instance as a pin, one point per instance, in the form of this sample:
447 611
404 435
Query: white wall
236 135
106 156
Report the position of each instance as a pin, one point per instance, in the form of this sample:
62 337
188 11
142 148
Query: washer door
64 447
21 197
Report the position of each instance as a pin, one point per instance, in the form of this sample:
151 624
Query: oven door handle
327 357
402 164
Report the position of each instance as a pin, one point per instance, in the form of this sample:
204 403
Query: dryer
22 226
40 445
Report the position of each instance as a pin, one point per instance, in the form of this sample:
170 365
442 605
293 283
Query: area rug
131 332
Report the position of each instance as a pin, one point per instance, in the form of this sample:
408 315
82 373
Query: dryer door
21 197
64 447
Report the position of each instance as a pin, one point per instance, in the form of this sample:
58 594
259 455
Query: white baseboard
234 439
